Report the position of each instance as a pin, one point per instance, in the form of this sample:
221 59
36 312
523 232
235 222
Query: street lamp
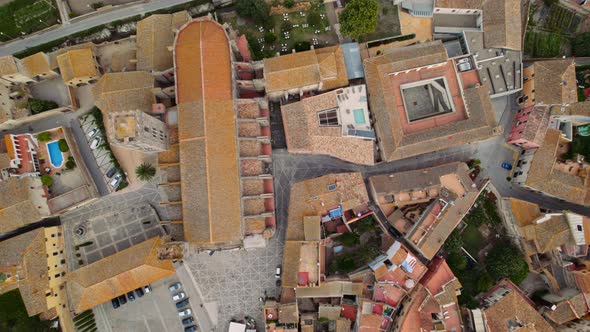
41 21
7 35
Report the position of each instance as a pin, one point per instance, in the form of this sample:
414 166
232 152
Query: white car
92 132
147 288
116 180
185 312
178 296
174 287
95 142
278 272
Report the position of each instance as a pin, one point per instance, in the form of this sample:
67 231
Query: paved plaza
111 224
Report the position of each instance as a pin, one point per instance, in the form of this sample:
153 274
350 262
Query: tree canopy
581 44
359 17
257 10
145 171
46 180
37 105
44 136
505 261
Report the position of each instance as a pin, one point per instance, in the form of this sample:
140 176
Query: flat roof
211 203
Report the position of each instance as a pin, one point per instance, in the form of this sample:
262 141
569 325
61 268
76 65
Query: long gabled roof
211 205
116 275
502 24
125 91
555 81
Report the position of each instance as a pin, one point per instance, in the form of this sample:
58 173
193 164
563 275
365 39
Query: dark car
278 283
131 296
111 172
190 328
115 303
139 292
187 321
122 299
182 304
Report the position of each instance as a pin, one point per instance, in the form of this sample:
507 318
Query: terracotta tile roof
288 313
115 92
304 134
524 212
4 160
306 199
574 109
453 177
570 309
77 63
555 82
154 35
513 307
550 232
324 65
291 259
27 252
116 275
207 130
8 65
331 289
16 207
481 123
501 22
544 177
37 64
537 124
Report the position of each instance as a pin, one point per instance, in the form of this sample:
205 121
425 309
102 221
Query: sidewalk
207 320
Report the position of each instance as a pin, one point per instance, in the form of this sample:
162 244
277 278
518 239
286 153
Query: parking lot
102 155
153 312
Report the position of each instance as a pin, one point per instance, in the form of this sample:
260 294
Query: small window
328 118
579 227
332 187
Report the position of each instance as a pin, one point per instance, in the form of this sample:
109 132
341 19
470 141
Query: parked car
115 303
122 299
278 283
187 321
178 296
182 304
111 172
190 328
175 286
139 292
92 132
116 180
147 289
95 142
130 296
185 312
278 272
507 166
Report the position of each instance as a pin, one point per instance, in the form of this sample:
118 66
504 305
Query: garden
387 22
14 316
353 250
479 253
283 26
26 16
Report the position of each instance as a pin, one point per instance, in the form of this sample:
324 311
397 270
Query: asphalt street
97 19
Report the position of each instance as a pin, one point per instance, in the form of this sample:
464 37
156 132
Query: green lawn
387 22
14 317
473 241
543 44
26 16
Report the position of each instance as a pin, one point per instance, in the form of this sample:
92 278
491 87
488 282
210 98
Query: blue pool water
359 116
56 157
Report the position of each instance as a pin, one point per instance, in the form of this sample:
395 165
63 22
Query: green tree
454 242
286 26
359 17
3 277
367 253
348 239
344 263
456 261
257 10
145 171
484 282
289 3
270 37
70 164
63 145
46 180
314 19
505 261
302 46
37 106
44 136
581 44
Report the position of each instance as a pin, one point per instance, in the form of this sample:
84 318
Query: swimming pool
56 157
